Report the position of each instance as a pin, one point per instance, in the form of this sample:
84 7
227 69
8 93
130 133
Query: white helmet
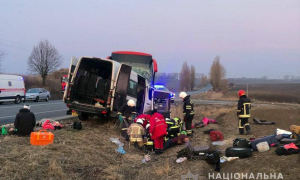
26 106
182 95
147 126
131 103
139 121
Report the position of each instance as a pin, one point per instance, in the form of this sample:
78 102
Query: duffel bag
295 129
241 142
269 139
216 136
238 152
290 140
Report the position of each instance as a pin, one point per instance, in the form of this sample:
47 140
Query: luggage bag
41 138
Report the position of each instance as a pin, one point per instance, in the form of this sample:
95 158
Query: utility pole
247 89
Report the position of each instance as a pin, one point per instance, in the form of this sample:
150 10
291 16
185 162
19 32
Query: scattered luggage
77 125
269 139
240 152
281 131
241 142
41 138
295 139
288 149
295 129
262 122
202 152
216 136
263 146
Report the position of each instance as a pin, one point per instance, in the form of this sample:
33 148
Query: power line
14 44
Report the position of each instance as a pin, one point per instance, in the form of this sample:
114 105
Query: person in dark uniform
188 111
126 113
243 112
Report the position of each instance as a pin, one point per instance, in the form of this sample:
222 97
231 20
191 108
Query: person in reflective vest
172 129
126 113
243 112
136 133
145 117
149 144
188 111
179 124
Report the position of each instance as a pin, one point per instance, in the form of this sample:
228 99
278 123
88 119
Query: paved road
51 109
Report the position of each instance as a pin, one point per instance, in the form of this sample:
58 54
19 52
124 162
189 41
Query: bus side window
132 88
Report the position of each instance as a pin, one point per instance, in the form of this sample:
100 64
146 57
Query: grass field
89 154
280 93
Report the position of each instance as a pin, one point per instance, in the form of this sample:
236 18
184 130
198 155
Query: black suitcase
241 142
238 152
269 139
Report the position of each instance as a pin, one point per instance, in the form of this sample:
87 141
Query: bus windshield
140 64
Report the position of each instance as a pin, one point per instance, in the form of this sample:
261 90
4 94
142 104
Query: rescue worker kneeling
149 144
183 138
158 131
136 133
173 129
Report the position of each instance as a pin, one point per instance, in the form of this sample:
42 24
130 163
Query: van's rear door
121 86
73 64
161 101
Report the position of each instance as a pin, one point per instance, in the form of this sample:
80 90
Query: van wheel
47 99
1 103
83 116
37 99
17 100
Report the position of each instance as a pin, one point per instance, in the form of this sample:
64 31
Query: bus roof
131 52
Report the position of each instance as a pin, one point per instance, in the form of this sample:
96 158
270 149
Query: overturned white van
101 86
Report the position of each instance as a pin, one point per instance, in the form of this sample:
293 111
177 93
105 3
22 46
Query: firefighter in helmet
243 112
188 111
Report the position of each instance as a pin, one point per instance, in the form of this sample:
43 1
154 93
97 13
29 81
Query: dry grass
89 155
280 93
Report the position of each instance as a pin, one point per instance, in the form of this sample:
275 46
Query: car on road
37 94
163 88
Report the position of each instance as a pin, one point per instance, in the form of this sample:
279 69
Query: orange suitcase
41 138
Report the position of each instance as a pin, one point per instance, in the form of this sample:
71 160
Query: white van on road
12 88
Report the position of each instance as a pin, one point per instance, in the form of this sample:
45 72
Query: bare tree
44 59
2 54
203 81
217 73
185 77
193 76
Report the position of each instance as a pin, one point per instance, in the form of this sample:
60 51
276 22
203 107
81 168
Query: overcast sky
253 38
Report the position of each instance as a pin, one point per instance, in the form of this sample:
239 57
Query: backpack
241 142
3 131
216 136
77 125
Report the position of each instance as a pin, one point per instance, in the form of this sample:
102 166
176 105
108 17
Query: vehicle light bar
159 86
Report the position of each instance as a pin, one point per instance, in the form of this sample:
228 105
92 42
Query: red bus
141 63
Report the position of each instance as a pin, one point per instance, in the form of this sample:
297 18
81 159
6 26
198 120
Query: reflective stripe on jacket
244 106
136 132
188 106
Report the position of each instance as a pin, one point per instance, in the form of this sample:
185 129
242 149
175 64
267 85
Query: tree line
216 77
